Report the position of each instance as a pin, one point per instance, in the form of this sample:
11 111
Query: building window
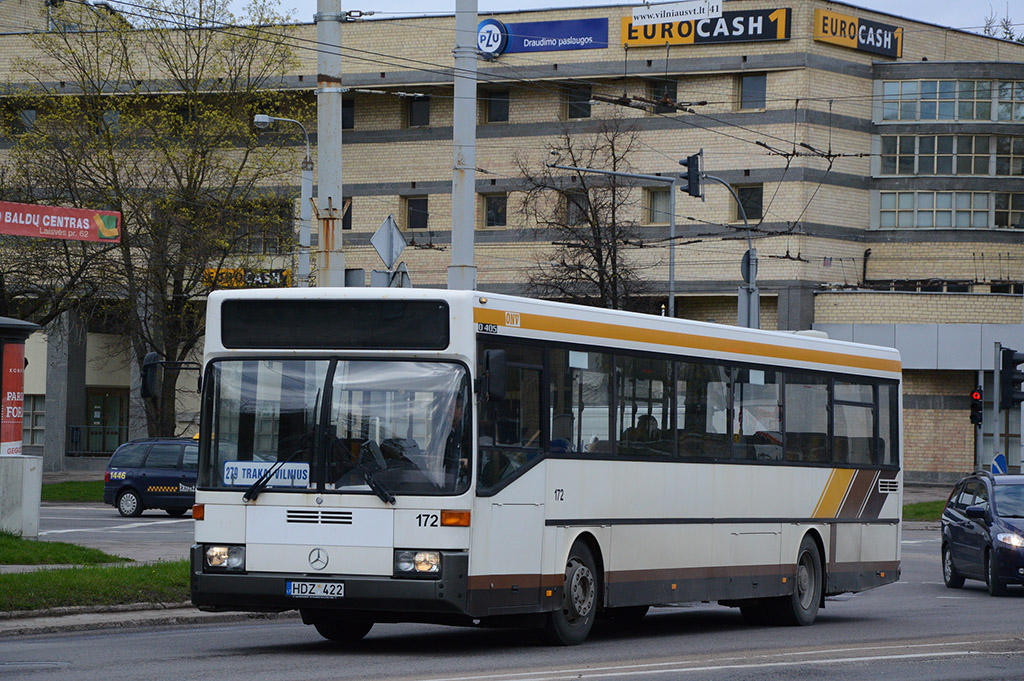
577 102
33 419
24 121
418 111
346 215
1009 210
943 100
897 155
1010 156
752 198
753 91
348 114
936 154
1010 104
497 106
658 210
664 91
416 212
944 210
577 207
495 210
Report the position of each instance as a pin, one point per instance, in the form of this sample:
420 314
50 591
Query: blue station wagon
152 473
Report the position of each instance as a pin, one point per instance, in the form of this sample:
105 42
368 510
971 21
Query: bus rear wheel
801 607
344 630
571 624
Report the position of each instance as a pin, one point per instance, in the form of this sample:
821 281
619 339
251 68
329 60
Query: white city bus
399 455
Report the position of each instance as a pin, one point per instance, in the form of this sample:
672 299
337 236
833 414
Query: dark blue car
983 532
152 473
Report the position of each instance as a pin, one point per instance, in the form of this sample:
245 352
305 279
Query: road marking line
119 527
676 666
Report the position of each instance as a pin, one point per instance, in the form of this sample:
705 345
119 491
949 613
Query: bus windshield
341 426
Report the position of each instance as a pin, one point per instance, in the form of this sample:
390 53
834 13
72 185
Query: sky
953 13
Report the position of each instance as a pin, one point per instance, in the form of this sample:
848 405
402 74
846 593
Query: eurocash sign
757 25
494 37
858 34
689 10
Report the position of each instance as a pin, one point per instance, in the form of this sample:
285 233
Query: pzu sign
491 37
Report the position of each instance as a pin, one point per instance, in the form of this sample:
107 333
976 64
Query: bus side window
806 418
703 424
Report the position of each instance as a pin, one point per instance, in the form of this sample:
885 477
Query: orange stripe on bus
835 492
577 327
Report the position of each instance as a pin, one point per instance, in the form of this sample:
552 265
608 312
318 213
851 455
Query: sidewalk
119 616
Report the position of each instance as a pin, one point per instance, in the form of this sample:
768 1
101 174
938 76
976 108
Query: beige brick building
881 160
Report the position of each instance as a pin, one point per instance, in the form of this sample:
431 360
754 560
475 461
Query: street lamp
263 121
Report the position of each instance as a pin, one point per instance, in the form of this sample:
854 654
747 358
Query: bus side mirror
495 374
150 380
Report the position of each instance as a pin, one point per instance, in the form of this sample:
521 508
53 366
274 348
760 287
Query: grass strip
74 490
93 586
17 551
924 510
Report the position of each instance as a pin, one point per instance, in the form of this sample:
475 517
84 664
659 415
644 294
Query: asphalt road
152 536
913 630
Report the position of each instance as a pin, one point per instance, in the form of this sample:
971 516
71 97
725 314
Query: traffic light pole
748 312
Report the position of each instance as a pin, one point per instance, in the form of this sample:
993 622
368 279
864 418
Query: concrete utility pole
462 271
330 260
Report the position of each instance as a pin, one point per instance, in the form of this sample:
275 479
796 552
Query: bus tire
344 630
951 578
570 624
801 607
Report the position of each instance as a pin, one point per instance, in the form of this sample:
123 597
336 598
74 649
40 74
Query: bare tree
589 218
158 126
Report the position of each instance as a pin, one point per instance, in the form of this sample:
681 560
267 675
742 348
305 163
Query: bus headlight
410 563
225 558
1014 540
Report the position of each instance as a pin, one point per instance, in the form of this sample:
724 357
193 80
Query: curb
120 617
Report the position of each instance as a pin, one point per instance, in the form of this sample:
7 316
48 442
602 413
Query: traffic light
1011 392
692 165
977 406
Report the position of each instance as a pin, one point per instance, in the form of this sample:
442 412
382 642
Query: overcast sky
953 13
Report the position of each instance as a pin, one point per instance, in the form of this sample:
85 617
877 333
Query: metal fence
95 440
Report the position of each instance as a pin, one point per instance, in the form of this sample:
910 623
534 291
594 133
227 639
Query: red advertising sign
55 222
13 387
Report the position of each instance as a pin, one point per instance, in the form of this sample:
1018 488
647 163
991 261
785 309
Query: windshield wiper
376 486
264 480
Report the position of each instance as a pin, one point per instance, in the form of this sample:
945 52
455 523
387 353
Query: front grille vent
888 486
319 516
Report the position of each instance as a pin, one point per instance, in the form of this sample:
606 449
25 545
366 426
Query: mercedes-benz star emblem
318 559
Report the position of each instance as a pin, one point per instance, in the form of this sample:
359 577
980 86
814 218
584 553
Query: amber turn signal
455 518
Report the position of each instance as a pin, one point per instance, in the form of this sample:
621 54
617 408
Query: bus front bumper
387 597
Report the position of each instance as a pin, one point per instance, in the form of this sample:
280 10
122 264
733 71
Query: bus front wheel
570 624
801 607
345 631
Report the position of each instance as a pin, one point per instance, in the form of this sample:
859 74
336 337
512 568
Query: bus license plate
315 589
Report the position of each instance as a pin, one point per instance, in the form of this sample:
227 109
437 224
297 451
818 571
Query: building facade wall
816 148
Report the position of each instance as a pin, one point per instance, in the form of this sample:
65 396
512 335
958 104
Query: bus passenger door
510 442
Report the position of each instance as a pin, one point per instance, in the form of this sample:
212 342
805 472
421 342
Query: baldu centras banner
55 222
